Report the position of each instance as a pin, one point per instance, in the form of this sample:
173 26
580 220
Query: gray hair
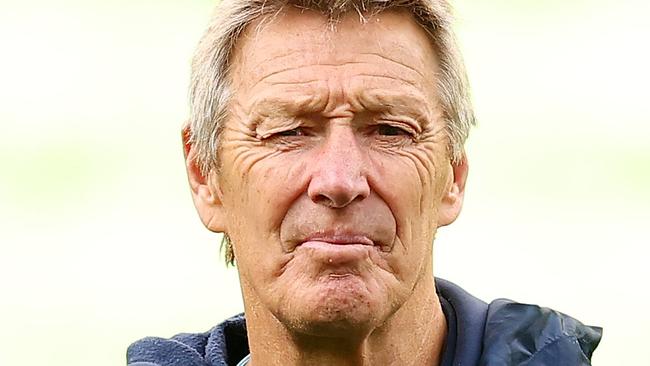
210 90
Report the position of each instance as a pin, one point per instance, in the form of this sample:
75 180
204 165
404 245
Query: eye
298 131
389 130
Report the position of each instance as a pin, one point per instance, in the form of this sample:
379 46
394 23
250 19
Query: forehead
296 37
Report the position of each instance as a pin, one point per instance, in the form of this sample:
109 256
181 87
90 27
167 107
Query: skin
334 178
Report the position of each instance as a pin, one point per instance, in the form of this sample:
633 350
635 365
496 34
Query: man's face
334 168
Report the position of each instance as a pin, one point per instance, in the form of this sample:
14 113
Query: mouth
341 242
340 239
340 254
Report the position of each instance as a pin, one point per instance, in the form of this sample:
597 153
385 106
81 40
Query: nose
339 172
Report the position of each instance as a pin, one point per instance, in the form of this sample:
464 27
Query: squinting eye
293 132
388 130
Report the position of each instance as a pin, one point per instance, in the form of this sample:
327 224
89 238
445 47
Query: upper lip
340 238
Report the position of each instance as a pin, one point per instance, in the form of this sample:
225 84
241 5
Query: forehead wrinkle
315 64
328 36
255 30
299 54
395 62
296 80
388 77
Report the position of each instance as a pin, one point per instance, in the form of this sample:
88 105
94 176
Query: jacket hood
522 334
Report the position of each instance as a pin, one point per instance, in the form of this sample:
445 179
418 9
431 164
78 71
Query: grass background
100 245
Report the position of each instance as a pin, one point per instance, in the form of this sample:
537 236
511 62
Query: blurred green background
100 244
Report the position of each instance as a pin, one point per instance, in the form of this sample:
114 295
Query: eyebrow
398 103
276 103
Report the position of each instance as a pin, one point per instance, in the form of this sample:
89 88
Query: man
326 141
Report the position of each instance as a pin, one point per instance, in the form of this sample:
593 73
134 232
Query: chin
336 306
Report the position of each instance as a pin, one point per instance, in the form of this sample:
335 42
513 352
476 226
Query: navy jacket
503 333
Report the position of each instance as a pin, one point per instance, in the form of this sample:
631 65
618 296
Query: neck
414 335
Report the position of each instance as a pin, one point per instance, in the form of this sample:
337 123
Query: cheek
260 176
408 181
261 186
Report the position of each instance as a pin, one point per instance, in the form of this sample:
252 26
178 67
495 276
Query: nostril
322 199
336 199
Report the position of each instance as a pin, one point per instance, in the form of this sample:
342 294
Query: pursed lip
340 238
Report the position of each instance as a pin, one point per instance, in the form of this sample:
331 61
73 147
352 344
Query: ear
206 192
452 199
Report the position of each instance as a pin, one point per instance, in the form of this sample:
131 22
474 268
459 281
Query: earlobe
205 189
452 199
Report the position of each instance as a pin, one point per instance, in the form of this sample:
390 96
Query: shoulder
508 333
219 346
524 334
